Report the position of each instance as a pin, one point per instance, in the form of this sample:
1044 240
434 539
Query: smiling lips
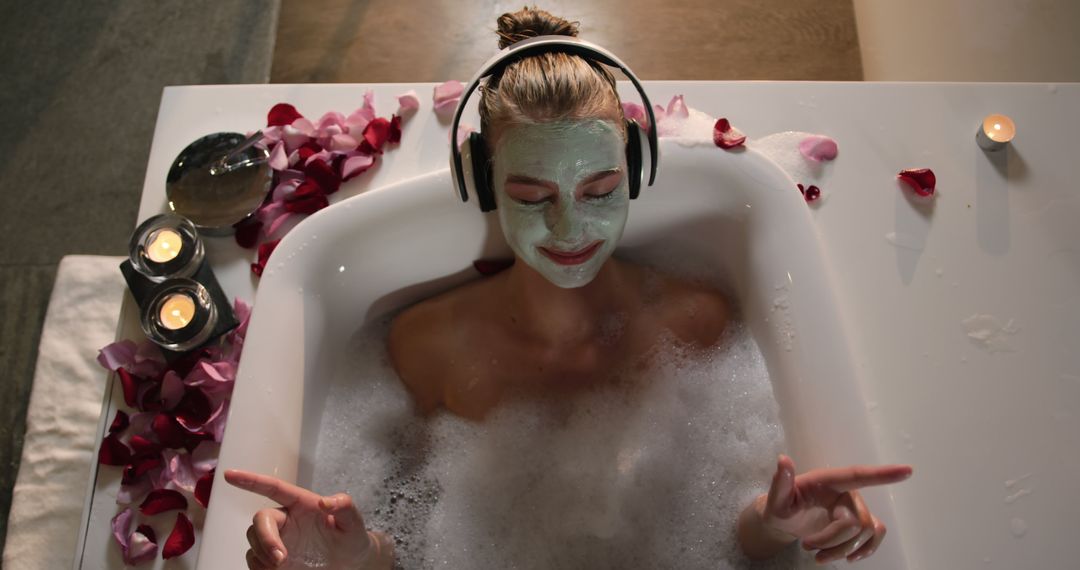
572 257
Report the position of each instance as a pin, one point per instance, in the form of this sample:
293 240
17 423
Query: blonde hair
548 86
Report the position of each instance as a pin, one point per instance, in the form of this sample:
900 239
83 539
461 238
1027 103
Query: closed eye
601 185
528 190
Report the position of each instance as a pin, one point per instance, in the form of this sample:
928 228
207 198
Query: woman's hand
309 529
822 508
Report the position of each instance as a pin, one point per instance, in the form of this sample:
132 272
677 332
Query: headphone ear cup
481 172
634 138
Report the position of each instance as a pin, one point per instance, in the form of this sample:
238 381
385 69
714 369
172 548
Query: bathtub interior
733 216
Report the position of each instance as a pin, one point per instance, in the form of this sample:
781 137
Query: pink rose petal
408 102
270 137
635 112
121 528
297 134
204 457
342 143
117 354
172 390
921 180
161 500
725 136
143 546
818 148
177 471
446 95
677 108
324 156
278 159
355 166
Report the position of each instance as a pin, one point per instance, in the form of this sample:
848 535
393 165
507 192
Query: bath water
649 476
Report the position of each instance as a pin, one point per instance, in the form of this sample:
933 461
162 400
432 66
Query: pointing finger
783 486
284 494
346 516
845 479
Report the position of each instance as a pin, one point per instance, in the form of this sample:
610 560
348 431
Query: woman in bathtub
555 124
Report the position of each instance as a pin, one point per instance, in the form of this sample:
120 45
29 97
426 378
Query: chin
570 277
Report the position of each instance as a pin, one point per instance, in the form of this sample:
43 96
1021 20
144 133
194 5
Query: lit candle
995 132
177 311
164 245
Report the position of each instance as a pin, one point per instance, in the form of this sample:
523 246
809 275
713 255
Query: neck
557 315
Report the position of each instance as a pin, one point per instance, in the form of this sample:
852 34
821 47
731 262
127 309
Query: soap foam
652 473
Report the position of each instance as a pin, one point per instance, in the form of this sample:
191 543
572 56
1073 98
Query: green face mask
562 196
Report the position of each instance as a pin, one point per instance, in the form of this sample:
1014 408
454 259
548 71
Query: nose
564 222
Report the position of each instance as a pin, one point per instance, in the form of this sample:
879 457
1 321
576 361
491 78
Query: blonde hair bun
531 22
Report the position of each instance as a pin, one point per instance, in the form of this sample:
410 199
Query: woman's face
562 195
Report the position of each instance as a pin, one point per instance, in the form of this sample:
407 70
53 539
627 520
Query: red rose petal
282 114
322 174
193 410
168 431
130 383
120 422
247 232
113 452
809 194
143 447
307 199
395 130
149 398
492 266
203 487
180 539
142 466
161 500
307 150
725 136
921 180
376 134
265 250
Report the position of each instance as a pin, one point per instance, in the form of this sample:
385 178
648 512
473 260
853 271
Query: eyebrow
601 175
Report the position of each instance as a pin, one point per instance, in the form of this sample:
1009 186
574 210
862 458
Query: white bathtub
365 256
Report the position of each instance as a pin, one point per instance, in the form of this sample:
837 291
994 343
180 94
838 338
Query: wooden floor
345 41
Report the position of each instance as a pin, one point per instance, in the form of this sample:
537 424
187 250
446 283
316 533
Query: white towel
61 422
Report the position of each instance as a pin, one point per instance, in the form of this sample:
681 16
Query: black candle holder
181 304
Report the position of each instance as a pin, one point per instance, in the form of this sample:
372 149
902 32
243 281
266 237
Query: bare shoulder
428 339
417 338
694 312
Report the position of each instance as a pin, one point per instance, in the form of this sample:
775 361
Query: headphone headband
535 46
